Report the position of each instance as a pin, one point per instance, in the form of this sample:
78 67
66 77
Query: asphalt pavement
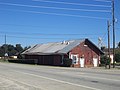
37 77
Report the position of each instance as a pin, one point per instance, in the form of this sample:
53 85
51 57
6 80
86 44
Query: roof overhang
38 53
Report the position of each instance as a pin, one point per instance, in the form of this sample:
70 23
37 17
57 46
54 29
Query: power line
72 9
47 13
52 34
3 24
31 37
26 37
90 5
109 1
104 36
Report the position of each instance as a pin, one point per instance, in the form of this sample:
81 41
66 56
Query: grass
3 60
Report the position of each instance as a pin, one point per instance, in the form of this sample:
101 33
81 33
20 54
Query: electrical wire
72 9
104 37
26 37
108 1
52 34
35 26
30 37
90 5
57 14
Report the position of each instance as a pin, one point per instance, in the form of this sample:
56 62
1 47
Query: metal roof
53 48
71 45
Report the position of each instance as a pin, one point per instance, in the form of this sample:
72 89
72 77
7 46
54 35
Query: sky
30 22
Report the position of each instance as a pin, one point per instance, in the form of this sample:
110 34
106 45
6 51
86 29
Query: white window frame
74 61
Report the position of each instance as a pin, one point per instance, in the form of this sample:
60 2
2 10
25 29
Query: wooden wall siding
57 60
46 59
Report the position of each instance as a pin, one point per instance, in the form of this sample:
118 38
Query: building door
82 62
95 62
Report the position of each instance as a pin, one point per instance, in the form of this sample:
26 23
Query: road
36 77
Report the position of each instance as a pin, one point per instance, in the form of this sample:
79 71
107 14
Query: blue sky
30 22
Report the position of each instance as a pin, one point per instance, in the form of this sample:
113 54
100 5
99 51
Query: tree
27 47
119 45
103 48
67 62
19 48
10 47
104 60
11 50
1 52
117 57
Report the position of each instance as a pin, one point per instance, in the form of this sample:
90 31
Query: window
74 59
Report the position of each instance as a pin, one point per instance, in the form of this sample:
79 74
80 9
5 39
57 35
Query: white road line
60 81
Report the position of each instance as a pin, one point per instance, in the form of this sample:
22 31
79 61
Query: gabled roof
53 48
101 52
56 47
71 45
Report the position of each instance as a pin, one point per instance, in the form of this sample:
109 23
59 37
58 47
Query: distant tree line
118 45
117 53
106 60
11 50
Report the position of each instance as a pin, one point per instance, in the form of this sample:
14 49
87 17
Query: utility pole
5 49
108 23
113 22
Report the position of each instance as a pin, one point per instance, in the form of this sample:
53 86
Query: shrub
24 61
67 62
117 57
105 60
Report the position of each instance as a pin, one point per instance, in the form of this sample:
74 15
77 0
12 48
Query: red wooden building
82 52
